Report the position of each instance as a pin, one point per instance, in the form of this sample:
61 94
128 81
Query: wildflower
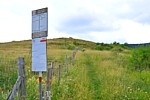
130 89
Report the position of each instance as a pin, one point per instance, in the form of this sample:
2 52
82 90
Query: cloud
134 32
136 10
143 18
96 20
16 19
86 22
105 37
104 21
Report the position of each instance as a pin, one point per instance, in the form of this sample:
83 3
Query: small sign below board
39 59
40 23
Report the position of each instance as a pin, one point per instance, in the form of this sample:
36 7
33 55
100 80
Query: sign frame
40 23
39 39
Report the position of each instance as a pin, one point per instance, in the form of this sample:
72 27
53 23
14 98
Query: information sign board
40 23
39 59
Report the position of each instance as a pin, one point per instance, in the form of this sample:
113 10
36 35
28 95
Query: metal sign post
40 84
39 34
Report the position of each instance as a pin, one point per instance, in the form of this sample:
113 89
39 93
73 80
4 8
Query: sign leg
40 84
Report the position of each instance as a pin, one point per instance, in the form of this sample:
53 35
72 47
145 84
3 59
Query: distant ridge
137 45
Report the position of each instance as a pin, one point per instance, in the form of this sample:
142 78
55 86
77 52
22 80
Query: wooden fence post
48 84
67 64
73 56
20 83
52 66
21 73
59 74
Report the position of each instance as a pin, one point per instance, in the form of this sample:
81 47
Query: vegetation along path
108 79
94 81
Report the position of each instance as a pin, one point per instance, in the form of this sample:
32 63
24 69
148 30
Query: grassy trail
94 81
104 77
107 79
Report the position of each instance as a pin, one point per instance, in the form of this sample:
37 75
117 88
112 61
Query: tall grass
94 75
101 76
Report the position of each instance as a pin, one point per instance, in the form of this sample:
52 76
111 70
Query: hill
64 43
56 42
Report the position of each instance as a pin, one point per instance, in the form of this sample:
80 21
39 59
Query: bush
71 47
105 47
75 42
140 58
99 47
108 47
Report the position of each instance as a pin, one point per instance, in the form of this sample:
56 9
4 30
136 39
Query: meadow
99 71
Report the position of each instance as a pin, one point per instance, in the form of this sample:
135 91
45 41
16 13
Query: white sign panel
39 59
40 23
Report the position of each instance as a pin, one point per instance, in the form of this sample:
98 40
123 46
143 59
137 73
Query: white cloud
129 31
106 37
134 32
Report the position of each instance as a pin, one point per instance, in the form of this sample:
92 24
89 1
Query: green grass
94 80
95 74
99 76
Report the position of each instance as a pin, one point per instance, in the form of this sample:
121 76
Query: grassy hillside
63 43
99 72
53 43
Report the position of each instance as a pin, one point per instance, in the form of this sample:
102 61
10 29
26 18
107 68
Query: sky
123 21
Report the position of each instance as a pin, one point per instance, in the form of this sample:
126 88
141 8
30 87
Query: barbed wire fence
9 74
57 70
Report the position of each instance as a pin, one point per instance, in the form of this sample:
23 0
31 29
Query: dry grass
95 75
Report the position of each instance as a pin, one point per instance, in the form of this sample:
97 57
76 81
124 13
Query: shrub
140 58
104 47
75 42
108 47
83 50
99 47
98 43
71 47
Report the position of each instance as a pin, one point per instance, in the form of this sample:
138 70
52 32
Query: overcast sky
95 20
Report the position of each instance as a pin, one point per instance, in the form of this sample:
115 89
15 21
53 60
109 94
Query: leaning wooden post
15 89
67 64
59 74
21 73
